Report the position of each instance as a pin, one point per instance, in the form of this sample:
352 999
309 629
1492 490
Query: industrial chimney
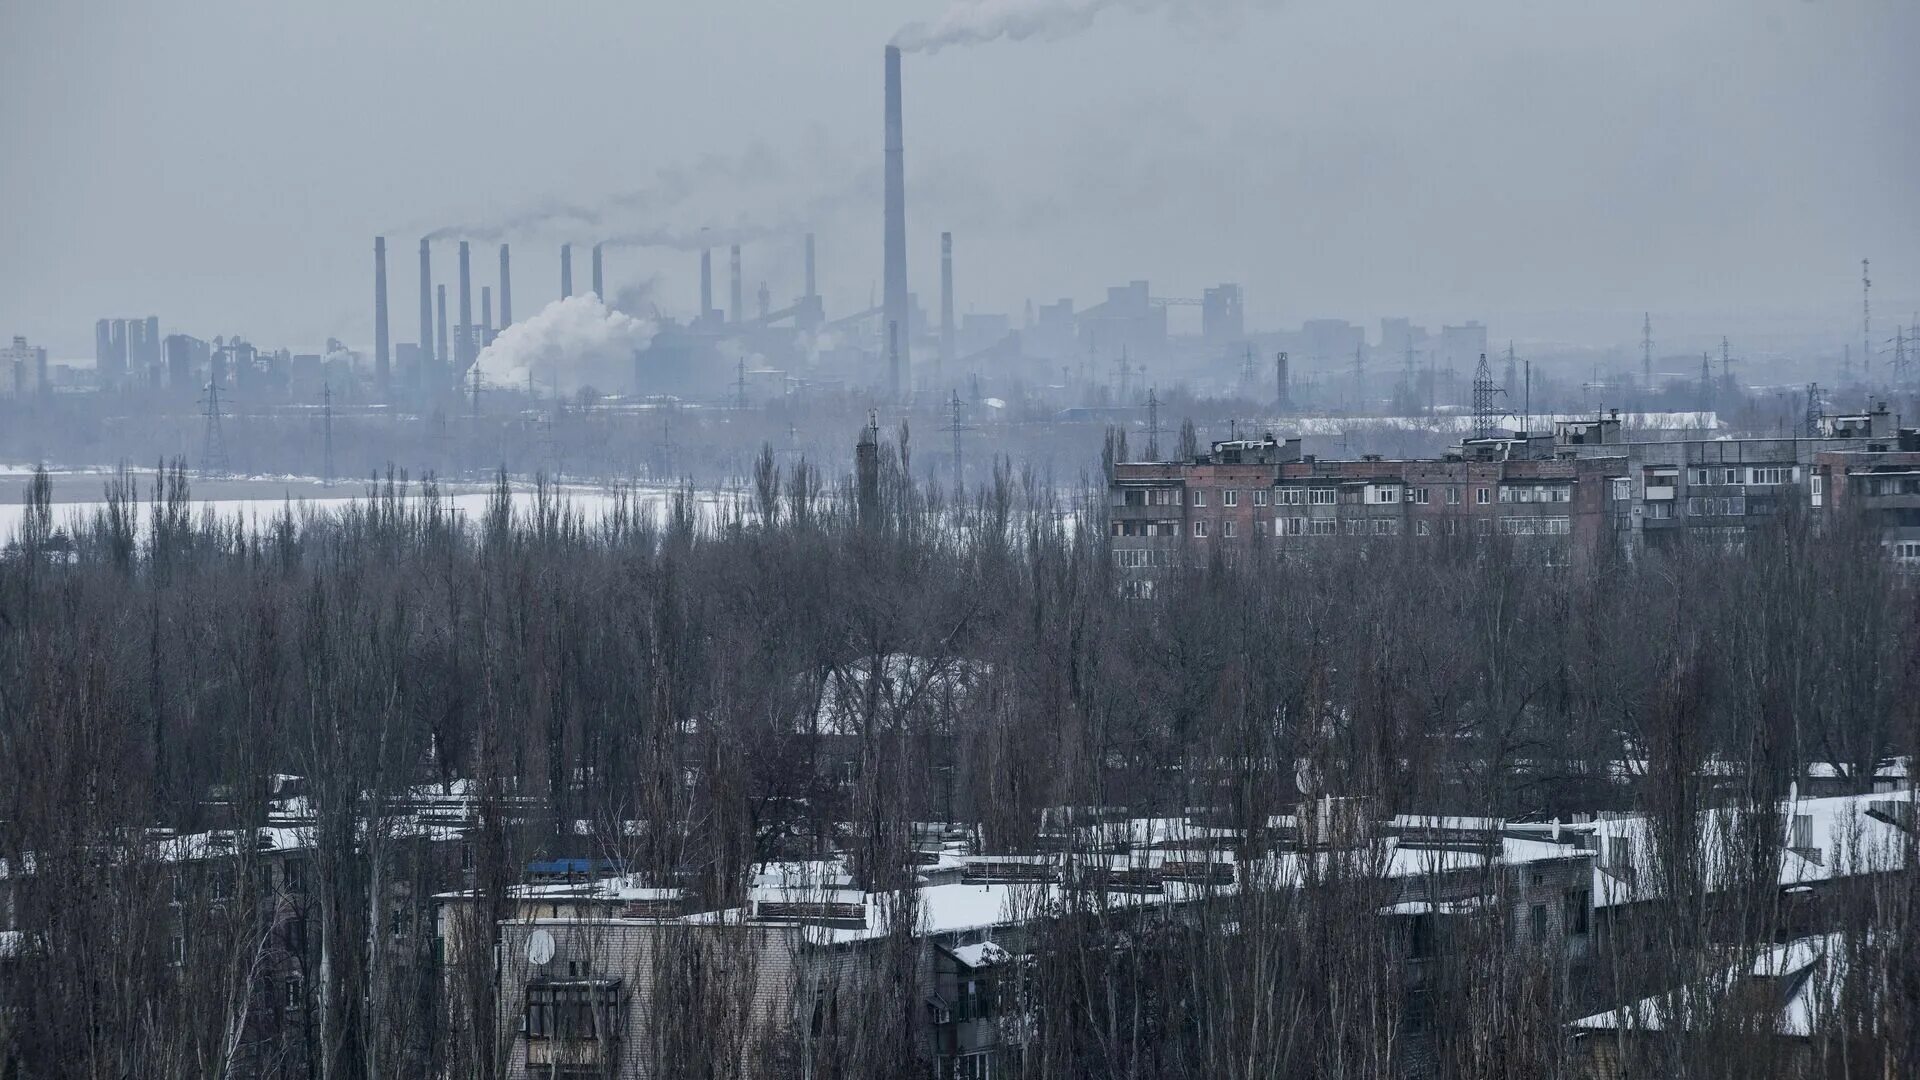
894 298
440 349
486 314
382 363
426 298
946 299
738 312
811 291
706 284
506 289
599 285
566 271
1281 376
464 348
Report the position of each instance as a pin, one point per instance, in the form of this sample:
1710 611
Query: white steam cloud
573 343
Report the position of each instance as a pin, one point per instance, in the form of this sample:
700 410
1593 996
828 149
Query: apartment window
1260 497
1537 921
1816 487
1323 527
1453 496
1353 526
1420 496
1732 476
1422 527
1907 549
1482 496
1227 529
1510 494
1700 477
1290 496
1199 497
1290 526
1574 915
1660 511
1770 474
1622 489
1321 496
1387 494
1453 526
1482 526
1259 526
1200 529
293 873
1230 497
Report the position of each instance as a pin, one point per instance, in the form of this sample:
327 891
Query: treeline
648 686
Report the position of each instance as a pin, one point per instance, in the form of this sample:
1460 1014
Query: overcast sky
1550 165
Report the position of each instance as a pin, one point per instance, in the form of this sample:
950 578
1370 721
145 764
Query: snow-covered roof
1809 973
983 955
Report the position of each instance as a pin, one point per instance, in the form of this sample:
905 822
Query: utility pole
326 422
1153 425
213 442
1527 397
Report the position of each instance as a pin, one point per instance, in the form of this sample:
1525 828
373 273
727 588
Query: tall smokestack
440 347
382 363
506 289
738 310
426 299
811 291
706 283
895 264
464 349
946 299
566 271
486 312
599 285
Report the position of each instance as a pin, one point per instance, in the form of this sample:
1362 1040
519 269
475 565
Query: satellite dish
539 948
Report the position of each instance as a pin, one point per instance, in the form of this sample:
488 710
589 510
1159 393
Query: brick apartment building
1580 486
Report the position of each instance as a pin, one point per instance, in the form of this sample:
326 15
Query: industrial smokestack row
566 271
894 297
946 300
382 363
599 285
506 289
738 310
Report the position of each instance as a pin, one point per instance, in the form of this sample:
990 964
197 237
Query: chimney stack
486 313
599 284
566 271
946 299
382 363
706 284
738 311
506 290
426 299
895 263
440 349
1282 376
464 348
811 291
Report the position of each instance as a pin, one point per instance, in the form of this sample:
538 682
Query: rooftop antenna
326 421
1153 425
213 442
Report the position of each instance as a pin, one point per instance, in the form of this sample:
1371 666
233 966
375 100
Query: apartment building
1580 486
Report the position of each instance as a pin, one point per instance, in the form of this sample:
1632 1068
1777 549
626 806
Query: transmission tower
1359 377
213 442
1246 369
1484 393
326 426
1706 380
1153 425
955 426
1646 350
1813 410
1726 364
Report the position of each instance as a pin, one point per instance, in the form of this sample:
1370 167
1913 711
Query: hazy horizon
1552 169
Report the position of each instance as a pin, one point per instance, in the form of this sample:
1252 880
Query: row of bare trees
694 687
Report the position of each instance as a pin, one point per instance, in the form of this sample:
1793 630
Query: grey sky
225 163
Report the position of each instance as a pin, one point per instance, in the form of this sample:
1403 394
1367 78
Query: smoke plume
976 22
574 343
